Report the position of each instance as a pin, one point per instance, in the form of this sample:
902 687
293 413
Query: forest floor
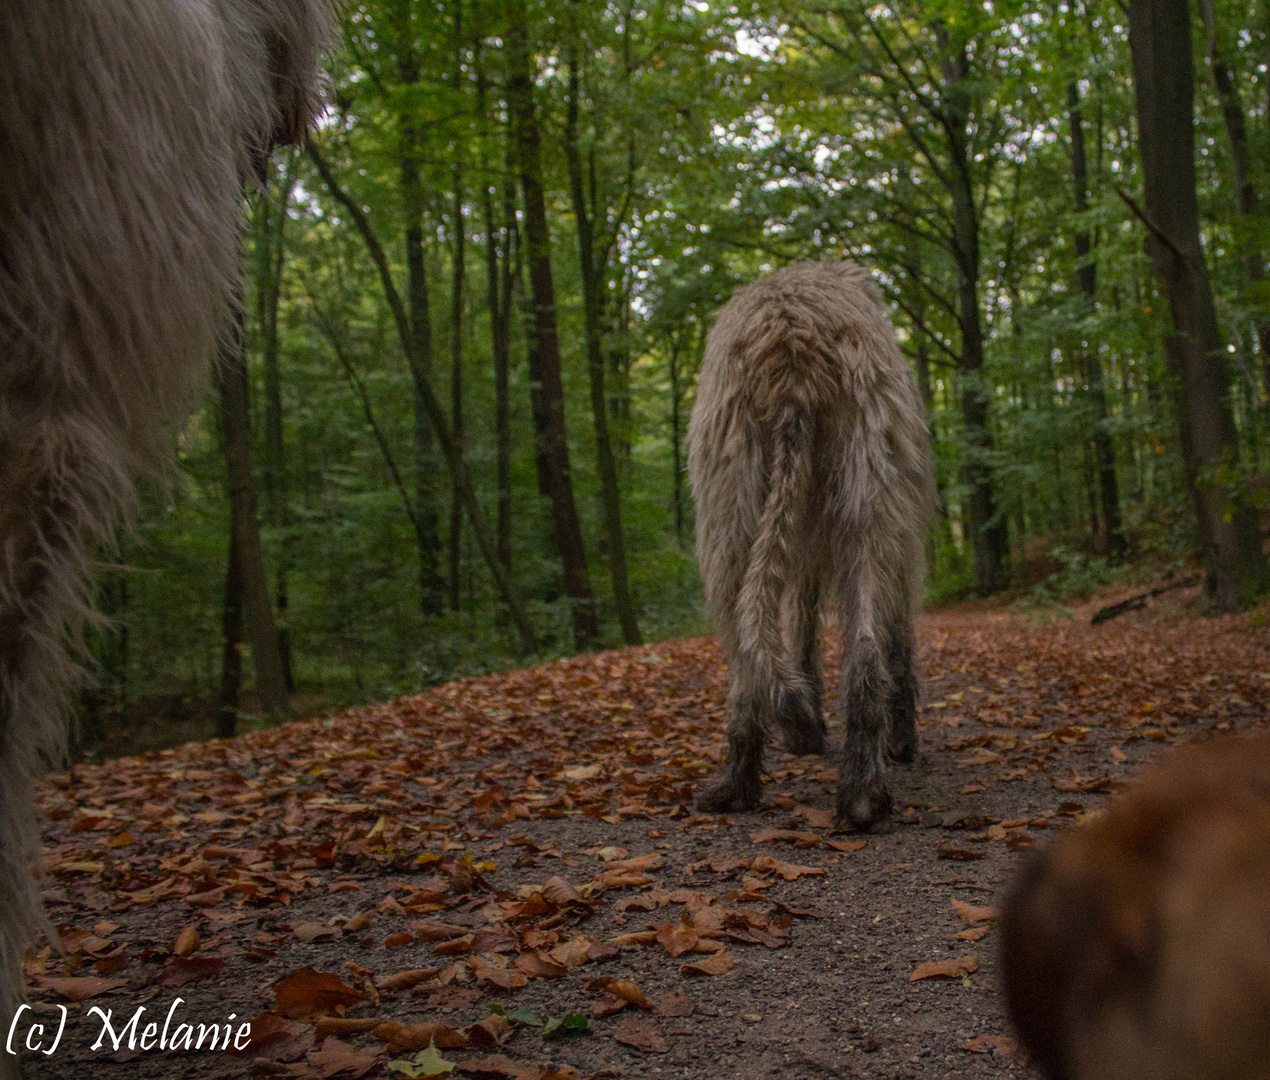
491 866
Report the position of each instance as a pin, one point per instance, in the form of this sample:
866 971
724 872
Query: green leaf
569 1024
425 1063
516 1016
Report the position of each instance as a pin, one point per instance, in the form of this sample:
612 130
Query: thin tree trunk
459 226
431 585
498 288
231 668
270 253
235 410
989 533
436 415
1160 41
568 530
1246 207
1091 366
593 271
676 438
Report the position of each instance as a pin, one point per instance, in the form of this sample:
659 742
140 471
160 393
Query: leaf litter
405 870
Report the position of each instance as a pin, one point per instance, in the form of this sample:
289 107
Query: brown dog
127 130
811 471
1138 947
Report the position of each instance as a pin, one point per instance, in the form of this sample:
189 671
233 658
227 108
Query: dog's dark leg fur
903 703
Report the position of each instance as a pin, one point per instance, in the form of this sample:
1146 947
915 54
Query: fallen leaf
308 994
674 1003
506 978
715 964
79 988
956 854
425 1063
313 931
402 1038
847 845
946 969
997 1045
187 941
788 836
972 914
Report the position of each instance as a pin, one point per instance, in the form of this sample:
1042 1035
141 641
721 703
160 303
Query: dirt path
491 839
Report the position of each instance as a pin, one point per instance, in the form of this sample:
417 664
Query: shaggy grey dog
810 465
127 130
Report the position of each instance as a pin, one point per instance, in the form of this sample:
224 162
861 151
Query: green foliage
718 142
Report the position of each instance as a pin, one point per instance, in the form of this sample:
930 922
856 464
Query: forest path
482 844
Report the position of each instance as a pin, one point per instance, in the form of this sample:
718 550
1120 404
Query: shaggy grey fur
810 466
127 130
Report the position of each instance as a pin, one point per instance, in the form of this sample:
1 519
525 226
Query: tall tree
1087 275
1160 39
593 257
235 414
555 445
1246 202
409 73
458 226
270 220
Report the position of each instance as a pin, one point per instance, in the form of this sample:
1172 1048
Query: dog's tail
772 554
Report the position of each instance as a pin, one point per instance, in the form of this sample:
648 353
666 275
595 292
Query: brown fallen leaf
314 931
339 1025
403 980
997 1045
404 1038
953 968
78 988
972 933
642 1035
308 994
397 940
490 1033
677 938
715 964
638 937
765 864
187 941
507 978
573 952
816 817
539 966
956 854
334 1057
972 914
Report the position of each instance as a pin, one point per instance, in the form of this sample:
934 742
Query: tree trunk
270 252
989 533
235 410
593 272
498 288
1160 41
431 585
555 449
231 668
1086 273
1232 110
676 439
459 226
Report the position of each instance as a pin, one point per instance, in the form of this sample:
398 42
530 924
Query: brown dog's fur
1138 946
127 130
810 466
